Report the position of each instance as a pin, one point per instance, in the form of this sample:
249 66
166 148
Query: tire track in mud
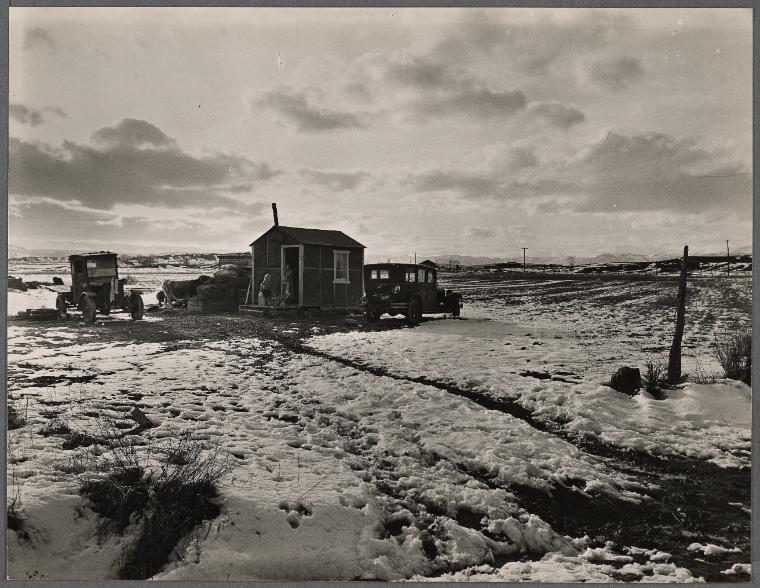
694 501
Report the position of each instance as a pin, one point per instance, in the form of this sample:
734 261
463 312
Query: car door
432 289
424 289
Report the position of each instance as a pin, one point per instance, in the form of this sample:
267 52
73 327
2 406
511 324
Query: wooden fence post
674 360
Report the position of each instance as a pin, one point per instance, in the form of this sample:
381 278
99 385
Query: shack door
292 266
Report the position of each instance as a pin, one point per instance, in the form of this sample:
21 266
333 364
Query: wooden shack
325 268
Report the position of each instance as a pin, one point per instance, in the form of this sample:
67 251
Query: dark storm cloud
434 88
534 46
478 233
522 157
24 114
471 101
645 154
55 110
36 37
132 134
467 185
556 113
134 162
616 73
31 116
337 181
419 72
299 107
652 171
643 172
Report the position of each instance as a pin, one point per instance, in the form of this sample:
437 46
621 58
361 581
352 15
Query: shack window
340 259
411 275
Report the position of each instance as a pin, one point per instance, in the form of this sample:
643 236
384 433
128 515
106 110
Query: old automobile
406 289
96 287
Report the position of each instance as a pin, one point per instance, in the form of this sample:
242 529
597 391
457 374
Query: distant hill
180 259
209 259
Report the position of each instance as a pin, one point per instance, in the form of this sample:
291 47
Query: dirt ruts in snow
501 404
688 495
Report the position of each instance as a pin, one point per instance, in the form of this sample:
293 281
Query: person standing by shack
265 290
287 284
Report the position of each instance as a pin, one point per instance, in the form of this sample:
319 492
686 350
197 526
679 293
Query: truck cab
96 287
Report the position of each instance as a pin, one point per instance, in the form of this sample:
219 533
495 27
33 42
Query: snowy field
487 448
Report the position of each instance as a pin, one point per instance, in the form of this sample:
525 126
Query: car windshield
101 263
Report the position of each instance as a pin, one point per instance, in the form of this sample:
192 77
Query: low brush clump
167 496
16 518
56 426
655 377
15 419
733 350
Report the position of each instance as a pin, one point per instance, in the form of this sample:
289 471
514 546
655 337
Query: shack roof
316 236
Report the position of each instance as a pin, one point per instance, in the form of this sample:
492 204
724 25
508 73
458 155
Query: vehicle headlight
84 284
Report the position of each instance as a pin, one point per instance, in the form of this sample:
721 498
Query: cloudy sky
436 131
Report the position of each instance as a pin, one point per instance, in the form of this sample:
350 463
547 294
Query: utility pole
523 248
415 257
728 261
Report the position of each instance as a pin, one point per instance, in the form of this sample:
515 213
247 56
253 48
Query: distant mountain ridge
200 259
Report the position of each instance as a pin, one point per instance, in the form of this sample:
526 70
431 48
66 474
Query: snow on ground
710 421
303 430
343 474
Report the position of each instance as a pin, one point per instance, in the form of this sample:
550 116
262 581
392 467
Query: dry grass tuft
15 419
16 518
655 376
733 350
166 490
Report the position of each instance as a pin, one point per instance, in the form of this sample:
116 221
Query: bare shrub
733 350
16 518
116 487
16 420
168 490
702 376
655 376
56 426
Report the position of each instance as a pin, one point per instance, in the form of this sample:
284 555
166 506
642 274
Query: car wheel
373 317
136 307
62 308
414 311
88 310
